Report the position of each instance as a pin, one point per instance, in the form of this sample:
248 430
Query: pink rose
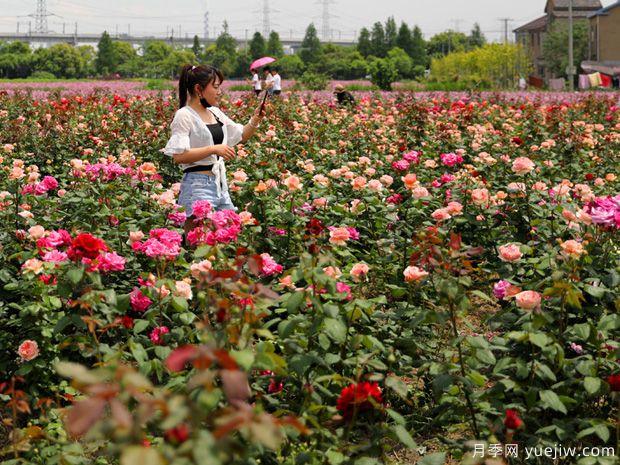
413 274
28 350
528 300
339 236
510 253
480 196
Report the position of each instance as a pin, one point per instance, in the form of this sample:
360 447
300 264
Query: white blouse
189 131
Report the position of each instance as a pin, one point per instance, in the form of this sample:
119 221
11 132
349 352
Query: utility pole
206 25
570 69
505 21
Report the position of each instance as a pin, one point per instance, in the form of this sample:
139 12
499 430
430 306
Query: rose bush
401 271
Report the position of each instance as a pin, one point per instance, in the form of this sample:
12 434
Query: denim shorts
200 186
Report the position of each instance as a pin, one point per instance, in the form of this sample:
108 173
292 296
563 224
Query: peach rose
332 271
201 269
359 271
510 253
522 165
33 265
292 183
410 181
135 236
528 300
358 182
339 236
572 248
28 350
413 273
480 196
36 232
183 289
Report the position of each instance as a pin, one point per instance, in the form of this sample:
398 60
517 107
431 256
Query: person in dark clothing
344 97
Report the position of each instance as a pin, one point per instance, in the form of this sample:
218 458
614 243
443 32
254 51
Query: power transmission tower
40 18
206 25
326 16
505 21
266 19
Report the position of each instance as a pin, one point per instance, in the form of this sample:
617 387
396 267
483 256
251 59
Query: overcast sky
288 17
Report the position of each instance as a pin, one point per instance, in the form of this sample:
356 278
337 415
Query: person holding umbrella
203 137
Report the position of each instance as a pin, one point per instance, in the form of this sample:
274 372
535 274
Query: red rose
86 246
512 420
178 434
315 227
589 177
614 382
357 397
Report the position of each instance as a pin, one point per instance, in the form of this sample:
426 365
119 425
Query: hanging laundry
606 80
595 79
584 81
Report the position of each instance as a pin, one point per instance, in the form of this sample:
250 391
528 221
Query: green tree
128 62
383 73
221 59
106 60
447 42
401 61
377 40
61 60
226 43
363 43
257 46
244 60
391 34
476 37
89 55
555 46
404 39
310 51
340 62
196 48
291 66
154 56
419 52
274 45
16 60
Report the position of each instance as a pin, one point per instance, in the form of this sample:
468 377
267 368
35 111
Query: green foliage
257 46
310 51
378 45
383 73
448 42
274 45
476 38
61 60
401 61
555 46
106 62
15 60
196 47
314 81
291 66
364 46
341 63
493 65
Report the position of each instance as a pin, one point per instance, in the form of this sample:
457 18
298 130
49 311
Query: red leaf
177 360
121 414
235 385
225 360
83 415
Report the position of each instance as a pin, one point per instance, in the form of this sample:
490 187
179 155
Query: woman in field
203 138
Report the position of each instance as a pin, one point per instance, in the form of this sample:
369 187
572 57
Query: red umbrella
261 62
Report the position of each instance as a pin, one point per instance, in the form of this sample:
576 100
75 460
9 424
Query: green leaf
592 385
551 400
295 301
539 339
336 330
75 275
138 352
438 458
334 458
139 326
403 436
179 304
482 295
397 385
596 292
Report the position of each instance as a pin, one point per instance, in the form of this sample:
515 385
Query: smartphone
262 105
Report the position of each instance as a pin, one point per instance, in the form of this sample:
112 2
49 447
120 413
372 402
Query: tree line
386 51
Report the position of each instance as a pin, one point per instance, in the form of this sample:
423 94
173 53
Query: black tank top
216 132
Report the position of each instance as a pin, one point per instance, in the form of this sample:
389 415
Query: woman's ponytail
183 85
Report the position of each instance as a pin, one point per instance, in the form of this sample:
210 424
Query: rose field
424 278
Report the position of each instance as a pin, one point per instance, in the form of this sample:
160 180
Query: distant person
267 82
277 82
255 81
345 98
522 83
